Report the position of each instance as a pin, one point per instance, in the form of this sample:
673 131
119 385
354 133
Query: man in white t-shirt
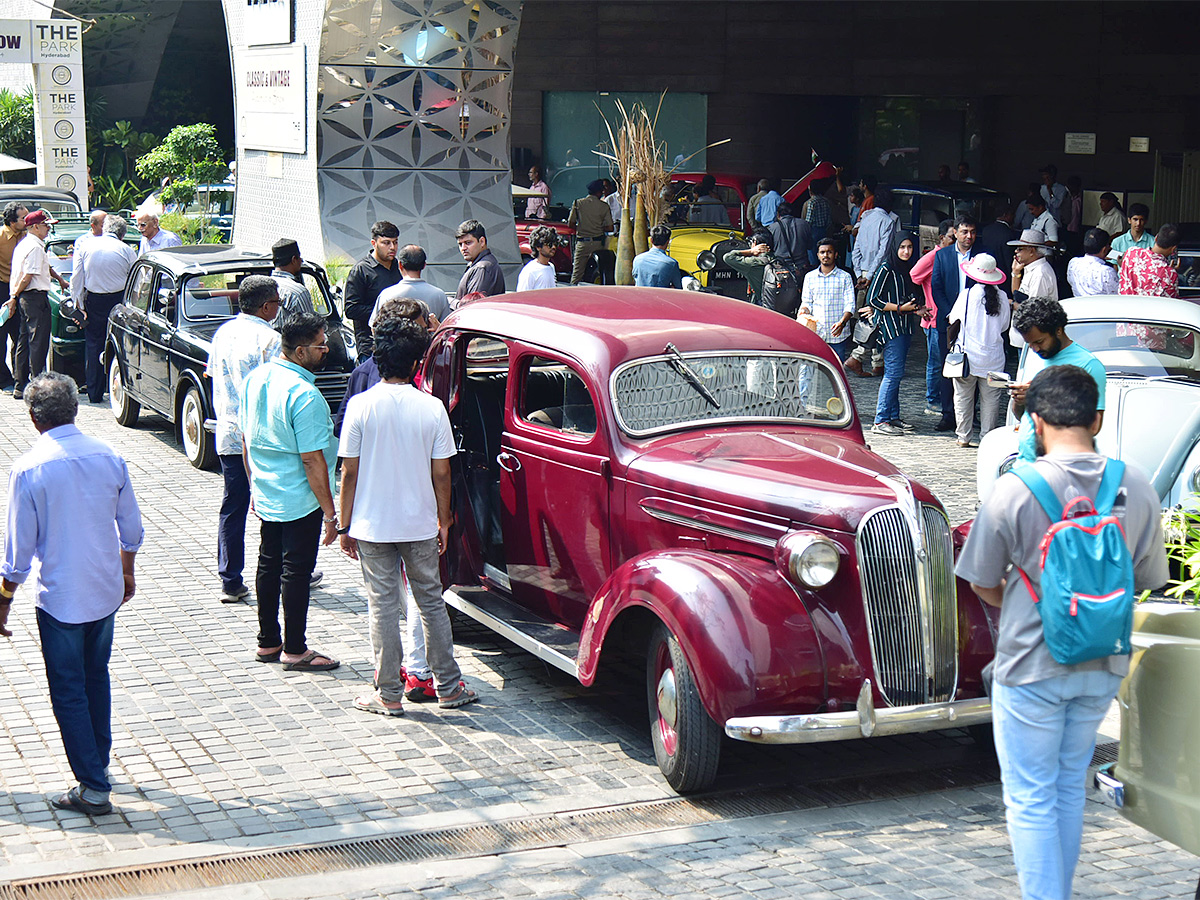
538 273
398 515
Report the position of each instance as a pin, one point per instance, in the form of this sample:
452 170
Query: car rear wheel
687 742
198 444
124 407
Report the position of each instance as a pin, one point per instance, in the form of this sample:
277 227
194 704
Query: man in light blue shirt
71 507
290 451
655 268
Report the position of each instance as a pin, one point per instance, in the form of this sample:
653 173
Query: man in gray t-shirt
1045 715
411 285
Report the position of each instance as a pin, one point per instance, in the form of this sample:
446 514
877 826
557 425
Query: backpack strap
1042 492
1110 485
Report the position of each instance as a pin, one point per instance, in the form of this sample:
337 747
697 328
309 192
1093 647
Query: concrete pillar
407 120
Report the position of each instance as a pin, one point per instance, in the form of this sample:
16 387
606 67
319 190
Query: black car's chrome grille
912 616
332 386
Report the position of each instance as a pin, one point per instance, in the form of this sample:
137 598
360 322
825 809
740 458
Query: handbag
956 364
865 331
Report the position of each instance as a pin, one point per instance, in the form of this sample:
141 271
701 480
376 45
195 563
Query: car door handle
508 462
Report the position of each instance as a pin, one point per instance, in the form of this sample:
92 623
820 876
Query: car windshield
1150 349
215 296
1189 272
674 390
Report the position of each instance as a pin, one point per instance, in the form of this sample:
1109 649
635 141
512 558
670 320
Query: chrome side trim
505 630
865 721
499 576
700 524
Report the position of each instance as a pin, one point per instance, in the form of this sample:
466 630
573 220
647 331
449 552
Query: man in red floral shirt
1147 272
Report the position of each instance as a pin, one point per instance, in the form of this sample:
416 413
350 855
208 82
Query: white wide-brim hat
1031 237
982 268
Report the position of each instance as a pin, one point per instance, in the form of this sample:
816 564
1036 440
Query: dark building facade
890 88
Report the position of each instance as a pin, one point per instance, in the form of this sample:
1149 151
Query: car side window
142 280
314 291
166 285
553 395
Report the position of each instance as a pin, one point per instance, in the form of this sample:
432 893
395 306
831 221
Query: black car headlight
706 260
808 558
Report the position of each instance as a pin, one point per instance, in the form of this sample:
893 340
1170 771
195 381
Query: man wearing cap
10 233
1091 274
98 275
1032 274
30 288
1112 220
293 295
592 219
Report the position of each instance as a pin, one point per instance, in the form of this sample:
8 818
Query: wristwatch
345 530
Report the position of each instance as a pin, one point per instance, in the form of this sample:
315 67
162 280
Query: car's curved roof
192 258
1111 307
603 326
948 189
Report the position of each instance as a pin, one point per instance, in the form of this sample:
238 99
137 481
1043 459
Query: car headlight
691 284
1194 481
1007 465
348 339
706 260
810 559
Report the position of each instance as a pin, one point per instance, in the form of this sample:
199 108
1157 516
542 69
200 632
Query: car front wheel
124 407
687 742
198 443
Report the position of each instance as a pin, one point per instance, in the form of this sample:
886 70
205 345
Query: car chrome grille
912 614
332 386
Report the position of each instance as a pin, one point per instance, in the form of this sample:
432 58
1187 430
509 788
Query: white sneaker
886 428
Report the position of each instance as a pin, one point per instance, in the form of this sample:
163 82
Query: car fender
187 379
994 448
746 633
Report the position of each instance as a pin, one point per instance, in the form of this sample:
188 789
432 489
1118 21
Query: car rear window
656 393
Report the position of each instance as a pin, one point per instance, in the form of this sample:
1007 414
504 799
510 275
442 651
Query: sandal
460 697
305 663
73 800
271 656
373 703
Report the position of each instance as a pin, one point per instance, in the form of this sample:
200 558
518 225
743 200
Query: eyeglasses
323 346
141 225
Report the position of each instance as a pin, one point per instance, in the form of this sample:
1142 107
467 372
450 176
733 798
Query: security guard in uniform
592 219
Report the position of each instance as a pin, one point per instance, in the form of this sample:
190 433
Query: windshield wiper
679 364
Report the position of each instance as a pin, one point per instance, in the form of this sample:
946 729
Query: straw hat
1031 237
982 268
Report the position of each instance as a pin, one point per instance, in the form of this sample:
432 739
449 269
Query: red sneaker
419 690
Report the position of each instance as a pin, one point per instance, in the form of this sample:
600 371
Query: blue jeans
841 349
76 658
895 354
231 527
933 369
1045 734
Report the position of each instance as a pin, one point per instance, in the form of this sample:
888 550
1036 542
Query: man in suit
948 281
993 240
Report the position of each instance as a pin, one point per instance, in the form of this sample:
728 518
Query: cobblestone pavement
214 750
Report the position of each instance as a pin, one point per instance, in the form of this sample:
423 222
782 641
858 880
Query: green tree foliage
189 156
120 145
16 124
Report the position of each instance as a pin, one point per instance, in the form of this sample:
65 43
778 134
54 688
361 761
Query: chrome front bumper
862 721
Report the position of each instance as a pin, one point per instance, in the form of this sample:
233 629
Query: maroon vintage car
684 477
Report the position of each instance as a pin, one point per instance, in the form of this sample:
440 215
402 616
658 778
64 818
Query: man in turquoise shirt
290 452
1136 236
1042 323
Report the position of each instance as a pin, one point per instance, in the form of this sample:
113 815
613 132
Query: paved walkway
214 750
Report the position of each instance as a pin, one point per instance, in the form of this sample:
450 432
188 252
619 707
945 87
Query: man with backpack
1065 615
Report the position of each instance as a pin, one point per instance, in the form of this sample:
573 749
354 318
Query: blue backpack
1086 602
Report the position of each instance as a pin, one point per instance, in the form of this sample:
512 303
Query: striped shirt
887 287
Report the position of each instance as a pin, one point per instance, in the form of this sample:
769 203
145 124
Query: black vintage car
159 338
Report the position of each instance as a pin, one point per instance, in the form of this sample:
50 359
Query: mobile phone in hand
999 379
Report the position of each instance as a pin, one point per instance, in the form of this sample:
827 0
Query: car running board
548 641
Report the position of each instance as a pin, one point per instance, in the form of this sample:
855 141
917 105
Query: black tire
687 749
983 736
199 445
125 408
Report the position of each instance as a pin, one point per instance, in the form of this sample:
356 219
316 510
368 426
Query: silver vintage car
1150 347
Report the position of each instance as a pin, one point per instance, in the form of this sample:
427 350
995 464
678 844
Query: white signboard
1081 142
1139 145
55 50
272 113
268 22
